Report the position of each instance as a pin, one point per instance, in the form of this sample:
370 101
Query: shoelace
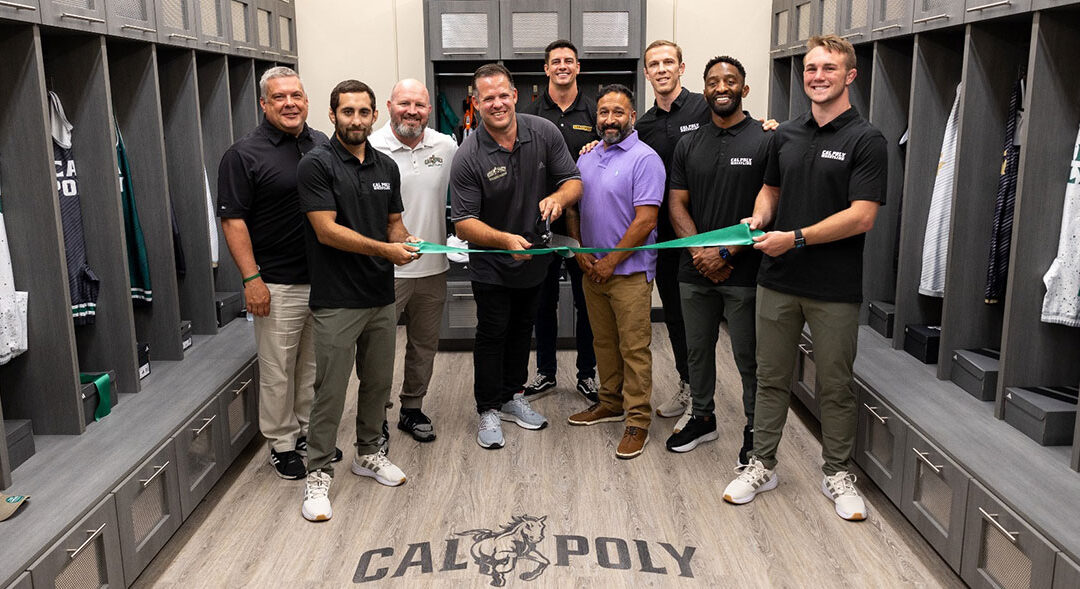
379 460
748 473
590 383
683 396
536 382
489 421
844 485
317 487
522 406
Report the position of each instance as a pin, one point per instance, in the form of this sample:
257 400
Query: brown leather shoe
594 415
633 442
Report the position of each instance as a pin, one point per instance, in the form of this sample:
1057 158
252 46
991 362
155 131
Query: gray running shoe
489 432
518 411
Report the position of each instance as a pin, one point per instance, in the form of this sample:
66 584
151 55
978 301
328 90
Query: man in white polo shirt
423 156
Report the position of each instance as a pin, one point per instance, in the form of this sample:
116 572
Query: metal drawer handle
241 388
873 411
528 53
778 50
81 17
271 52
158 470
606 51
923 456
143 29
885 28
851 35
464 52
990 518
184 37
244 48
920 21
218 43
462 295
17 6
806 349
73 552
991 5
208 421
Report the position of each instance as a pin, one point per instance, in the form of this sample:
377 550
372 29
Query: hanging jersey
82 282
12 305
138 264
212 219
936 241
1001 237
1062 302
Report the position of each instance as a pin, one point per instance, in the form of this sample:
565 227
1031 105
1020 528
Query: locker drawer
880 442
148 510
975 10
200 455
22 582
1000 549
240 408
1066 573
805 385
934 498
24 10
459 315
88 556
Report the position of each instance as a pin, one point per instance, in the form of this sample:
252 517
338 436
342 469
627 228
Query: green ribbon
101 381
733 235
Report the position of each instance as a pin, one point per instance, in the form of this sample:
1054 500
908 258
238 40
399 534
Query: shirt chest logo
742 161
434 162
380 186
586 128
833 155
496 173
688 128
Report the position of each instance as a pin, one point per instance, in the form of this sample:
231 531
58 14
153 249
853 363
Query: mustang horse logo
497 552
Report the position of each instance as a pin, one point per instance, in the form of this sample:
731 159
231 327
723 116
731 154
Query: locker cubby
799 102
780 89
242 86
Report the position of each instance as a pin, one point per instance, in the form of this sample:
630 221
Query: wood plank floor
655 521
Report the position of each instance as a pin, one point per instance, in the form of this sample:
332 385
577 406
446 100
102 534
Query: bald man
423 156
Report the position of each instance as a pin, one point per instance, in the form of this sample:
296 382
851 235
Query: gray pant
342 337
421 300
834 328
286 365
703 307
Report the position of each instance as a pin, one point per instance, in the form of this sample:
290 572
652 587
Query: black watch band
800 241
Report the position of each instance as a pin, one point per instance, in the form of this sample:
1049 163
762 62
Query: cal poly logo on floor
517 548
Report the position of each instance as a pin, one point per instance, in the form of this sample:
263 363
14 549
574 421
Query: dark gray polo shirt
504 188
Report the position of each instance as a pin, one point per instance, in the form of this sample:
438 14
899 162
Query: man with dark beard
716 173
352 197
623 180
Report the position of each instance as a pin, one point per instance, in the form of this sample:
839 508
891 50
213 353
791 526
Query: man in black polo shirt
574 114
264 228
716 173
352 196
824 183
499 199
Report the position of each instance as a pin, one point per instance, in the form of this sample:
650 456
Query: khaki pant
286 349
421 300
622 331
834 328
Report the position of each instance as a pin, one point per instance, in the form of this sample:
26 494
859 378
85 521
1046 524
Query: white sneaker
378 467
753 478
840 487
684 419
316 506
677 404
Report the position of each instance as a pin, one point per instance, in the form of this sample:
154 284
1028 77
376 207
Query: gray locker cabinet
1043 4
23 10
891 18
459 315
856 18
87 556
976 10
1000 549
84 15
213 25
880 443
529 25
936 14
22 582
934 497
1066 573
781 35
463 30
240 408
266 28
826 17
243 32
132 18
177 22
607 29
803 25
286 28
148 510
200 455
805 381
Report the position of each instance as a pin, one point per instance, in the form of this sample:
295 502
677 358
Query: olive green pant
834 328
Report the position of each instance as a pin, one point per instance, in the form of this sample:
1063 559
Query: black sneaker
417 424
288 464
384 438
301 449
697 430
588 389
747 444
539 386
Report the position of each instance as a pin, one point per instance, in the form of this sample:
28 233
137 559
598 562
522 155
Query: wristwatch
724 253
800 241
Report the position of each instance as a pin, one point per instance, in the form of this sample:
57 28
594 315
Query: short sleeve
465 191
396 205
772 166
561 166
315 185
649 179
236 191
678 180
869 169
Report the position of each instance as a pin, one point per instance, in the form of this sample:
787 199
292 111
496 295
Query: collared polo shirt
363 195
662 130
616 179
820 170
257 183
723 170
425 175
503 188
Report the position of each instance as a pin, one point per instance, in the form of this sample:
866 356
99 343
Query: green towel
101 381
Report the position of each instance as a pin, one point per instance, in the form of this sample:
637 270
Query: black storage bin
185 334
20 440
922 342
1049 420
881 317
90 396
228 305
143 350
976 372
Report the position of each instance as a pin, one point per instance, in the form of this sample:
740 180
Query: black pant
667 283
504 321
547 322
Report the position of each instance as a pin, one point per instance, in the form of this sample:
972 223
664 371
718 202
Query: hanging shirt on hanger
138 264
211 218
936 241
997 270
13 336
1062 302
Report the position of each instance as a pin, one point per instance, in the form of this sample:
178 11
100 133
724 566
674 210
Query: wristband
800 241
252 277
724 253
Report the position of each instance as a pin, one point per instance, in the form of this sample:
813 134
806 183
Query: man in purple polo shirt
624 186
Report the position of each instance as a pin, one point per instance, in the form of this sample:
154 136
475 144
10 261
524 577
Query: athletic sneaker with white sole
541 385
684 419
378 467
697 431
840 487
753 478
676 404
489 431
520 412
316 507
